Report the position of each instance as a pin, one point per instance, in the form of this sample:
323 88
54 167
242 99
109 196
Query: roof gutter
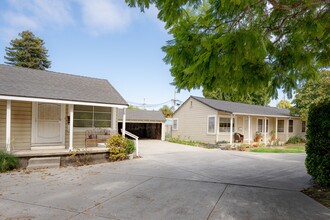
58 101
278 116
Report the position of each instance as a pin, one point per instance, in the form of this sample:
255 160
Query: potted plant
258 136
130 148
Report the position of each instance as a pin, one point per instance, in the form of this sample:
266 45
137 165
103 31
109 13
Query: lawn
282 149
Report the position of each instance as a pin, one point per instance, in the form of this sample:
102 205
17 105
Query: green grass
284 149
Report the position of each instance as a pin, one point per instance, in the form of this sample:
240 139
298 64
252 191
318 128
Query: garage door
144 130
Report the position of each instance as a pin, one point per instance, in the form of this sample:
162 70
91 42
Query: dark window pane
102 124
83 115
102 109
83 123
83 108
102 116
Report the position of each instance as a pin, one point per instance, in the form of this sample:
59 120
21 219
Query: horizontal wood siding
2 124
21 119
192 122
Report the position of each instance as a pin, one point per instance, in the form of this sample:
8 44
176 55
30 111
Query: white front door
49 123
246 128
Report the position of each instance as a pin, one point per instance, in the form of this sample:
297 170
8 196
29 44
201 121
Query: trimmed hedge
318 143
296 140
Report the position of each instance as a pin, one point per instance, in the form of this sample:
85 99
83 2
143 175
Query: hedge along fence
318 143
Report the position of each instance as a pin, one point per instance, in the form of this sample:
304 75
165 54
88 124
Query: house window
290 126
92 116
280 126
175 124
224 124
261 124
211 124
303 126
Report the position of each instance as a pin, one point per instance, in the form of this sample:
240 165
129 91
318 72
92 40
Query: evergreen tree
27 51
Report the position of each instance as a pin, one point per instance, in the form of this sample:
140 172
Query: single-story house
44 109
212 121
143 123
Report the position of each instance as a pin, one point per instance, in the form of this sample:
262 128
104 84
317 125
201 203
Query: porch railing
136 140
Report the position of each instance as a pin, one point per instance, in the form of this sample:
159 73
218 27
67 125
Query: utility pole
174 100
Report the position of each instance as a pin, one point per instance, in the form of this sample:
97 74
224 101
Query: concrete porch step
44 162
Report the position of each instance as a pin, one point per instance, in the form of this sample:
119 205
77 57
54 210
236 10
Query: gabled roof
31 83
141 115
242 108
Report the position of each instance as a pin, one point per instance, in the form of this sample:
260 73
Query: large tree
284 104
244 45
311 93
256 98
27 51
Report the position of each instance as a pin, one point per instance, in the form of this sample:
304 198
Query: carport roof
141 115
242 108
23 83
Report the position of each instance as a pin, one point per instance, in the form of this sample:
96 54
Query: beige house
212 121
48 110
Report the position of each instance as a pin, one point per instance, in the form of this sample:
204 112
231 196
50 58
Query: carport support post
249 129
124 122
231 129
8 125
265 129
71 127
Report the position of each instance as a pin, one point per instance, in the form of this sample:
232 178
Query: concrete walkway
171 181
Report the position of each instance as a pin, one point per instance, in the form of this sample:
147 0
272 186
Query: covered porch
32 126
256 128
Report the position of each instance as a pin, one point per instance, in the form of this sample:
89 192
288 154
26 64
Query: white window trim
215 124
226 116
263 123
177 124
281 132
112 128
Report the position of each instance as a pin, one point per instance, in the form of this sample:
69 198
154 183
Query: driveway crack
208 217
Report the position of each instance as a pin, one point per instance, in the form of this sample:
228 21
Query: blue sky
99 38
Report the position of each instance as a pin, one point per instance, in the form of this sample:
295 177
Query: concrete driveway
171 181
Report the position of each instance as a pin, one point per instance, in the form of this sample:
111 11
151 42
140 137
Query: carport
143 123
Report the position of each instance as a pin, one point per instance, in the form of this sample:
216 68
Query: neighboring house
43 109
143 123
210 120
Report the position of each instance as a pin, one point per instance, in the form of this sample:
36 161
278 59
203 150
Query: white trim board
58 101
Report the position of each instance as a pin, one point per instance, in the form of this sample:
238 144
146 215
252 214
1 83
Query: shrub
296 140
130 146
318 143
117 145
7 161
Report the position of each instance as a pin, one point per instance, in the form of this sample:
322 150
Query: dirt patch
320 194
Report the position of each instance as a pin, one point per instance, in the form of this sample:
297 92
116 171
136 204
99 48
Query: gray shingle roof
31 83
242 108
141 115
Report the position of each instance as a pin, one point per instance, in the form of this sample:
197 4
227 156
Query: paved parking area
171 181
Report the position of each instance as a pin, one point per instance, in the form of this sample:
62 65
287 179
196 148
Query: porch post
265 129
71 127
8 125
276 126
287 130
249 129
124 122
231 129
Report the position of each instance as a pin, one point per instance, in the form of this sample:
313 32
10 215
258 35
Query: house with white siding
48 110
212 121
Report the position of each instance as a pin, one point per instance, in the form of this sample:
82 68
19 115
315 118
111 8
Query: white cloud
36 14
103 16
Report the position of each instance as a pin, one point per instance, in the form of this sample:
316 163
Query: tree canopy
256 98
27 51
311 93
284 104
244 45
167 111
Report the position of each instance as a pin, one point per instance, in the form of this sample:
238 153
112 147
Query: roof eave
59 101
